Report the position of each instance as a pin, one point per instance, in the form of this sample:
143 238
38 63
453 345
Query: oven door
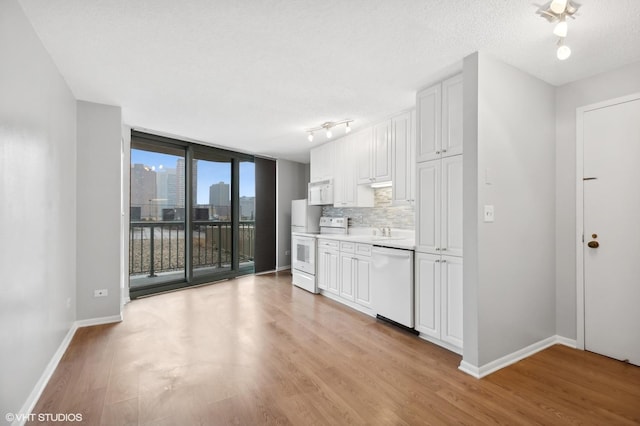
304 254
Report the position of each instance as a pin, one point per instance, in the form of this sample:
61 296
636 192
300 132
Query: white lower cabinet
355 271
344 270
347 284
328 266
363 281
438 298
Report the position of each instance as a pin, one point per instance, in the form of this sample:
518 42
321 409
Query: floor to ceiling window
192 214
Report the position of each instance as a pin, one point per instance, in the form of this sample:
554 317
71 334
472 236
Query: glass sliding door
212 246
192 214
157 216
247 213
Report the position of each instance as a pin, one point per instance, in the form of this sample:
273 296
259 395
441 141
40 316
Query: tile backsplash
382 214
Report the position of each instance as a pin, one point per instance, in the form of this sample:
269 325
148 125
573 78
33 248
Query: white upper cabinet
428 112
439 207
403 157
382 152
322 162
439 115
452 116
344 173
451 223
364 154
428 209
346 191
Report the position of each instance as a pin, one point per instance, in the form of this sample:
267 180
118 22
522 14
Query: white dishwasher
392 285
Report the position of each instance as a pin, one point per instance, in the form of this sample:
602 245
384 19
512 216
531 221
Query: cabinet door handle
444 249
444 150
437 249
437 152
437 261
444 261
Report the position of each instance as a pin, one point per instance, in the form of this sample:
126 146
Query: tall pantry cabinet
438 260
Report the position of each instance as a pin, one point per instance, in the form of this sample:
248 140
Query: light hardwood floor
256 350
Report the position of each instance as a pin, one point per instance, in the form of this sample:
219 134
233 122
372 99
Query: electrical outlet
288 252
68 303
100 293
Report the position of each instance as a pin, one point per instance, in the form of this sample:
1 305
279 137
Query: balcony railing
159 246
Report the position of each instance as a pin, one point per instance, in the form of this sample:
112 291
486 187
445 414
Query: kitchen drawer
363 249
347 247
332 244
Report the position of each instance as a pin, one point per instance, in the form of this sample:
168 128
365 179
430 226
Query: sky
208 172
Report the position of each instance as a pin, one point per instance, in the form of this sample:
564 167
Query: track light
327 126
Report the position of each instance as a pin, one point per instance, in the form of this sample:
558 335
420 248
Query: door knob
593 244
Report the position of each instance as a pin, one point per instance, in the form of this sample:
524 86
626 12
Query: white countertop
402 239
392 242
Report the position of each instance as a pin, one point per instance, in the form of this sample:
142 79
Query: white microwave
321 192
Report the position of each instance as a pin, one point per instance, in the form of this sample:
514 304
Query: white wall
37 208
292 179
569 97
98 213
514 257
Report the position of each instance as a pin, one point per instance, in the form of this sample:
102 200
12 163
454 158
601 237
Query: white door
612 222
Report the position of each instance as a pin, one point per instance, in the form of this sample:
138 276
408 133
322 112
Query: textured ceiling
253 74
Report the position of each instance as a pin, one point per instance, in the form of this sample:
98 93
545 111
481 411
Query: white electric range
303 247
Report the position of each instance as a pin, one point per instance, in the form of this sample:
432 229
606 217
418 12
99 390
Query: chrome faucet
385 231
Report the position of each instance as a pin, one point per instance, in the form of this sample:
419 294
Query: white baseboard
283 268
41 384
566 341
352 305
35 394
441 343
512 358
98 321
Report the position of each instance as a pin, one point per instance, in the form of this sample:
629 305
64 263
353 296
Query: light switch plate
488 176
488 214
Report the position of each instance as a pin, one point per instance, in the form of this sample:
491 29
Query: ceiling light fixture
563 51
327 126
558 6
557 11
561 29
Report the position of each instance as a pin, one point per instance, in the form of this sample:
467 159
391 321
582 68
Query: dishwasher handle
392 253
